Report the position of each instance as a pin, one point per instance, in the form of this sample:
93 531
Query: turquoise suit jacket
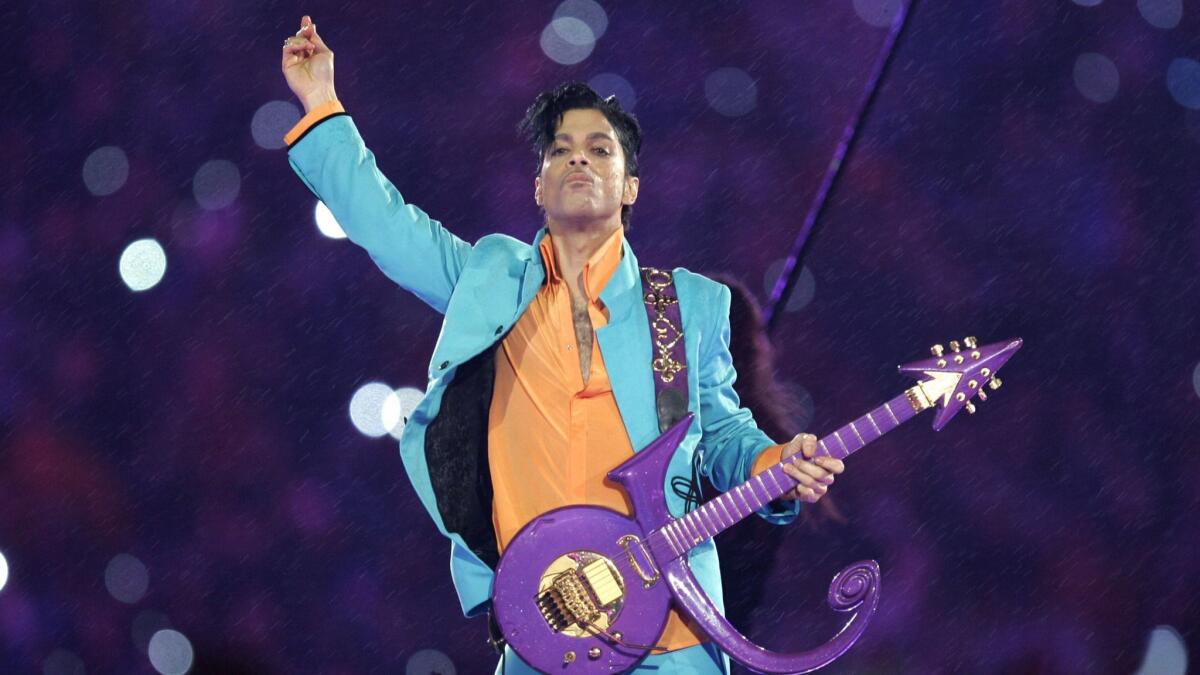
482 290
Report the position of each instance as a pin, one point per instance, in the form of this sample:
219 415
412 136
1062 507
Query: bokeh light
105 170
63 662
1164 14
366 408
1196 379
1166 653
802 294
1183 81
587 11
271 123
126 578
4 567
1096 77
216 184
611 84
326 223
429 662
143 264
170 652
731 91
398 408
567 40
878 13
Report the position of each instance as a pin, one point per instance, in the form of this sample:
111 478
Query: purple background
202 426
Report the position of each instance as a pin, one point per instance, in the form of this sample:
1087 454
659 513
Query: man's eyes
600 150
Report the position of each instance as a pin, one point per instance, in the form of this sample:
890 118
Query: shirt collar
596 271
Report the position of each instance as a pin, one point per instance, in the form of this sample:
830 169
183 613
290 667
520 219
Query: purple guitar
584 589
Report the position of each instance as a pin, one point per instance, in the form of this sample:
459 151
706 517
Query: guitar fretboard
729 508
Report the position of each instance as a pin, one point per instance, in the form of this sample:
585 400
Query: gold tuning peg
954 346
937 350
970 408
982 395
995 383
969 342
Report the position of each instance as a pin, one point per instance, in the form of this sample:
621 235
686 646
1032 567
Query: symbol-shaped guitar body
584 589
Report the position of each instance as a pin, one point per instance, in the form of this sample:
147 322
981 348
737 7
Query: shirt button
443 366
499 330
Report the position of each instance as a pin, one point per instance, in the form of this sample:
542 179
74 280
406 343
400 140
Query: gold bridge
580 594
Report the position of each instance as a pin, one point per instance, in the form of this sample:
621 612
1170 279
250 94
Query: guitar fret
758 477
822 444
872 420
778 487
676 542
753 507
845 449
709 530
666 530
714 516
749 510
690 528
721 503
710 514
665 533
855 430
888 405
683 538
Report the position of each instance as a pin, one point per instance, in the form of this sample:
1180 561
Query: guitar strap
668 358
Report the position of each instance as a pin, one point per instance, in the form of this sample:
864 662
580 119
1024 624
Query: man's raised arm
327 152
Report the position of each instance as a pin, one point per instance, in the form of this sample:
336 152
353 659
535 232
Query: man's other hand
814 476
308 66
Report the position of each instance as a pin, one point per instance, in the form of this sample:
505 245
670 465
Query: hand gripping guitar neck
585 589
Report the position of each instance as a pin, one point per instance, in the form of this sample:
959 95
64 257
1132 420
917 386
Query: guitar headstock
950 379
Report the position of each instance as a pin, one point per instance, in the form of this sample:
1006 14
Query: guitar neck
729 508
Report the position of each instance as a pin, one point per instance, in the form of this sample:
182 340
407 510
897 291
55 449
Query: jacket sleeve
730 440
410 248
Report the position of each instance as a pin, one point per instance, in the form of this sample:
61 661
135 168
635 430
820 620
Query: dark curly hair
543 117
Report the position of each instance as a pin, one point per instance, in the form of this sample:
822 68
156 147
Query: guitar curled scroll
854 588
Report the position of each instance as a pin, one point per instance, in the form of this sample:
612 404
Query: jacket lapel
625 345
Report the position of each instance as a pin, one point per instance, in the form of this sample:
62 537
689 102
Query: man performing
541 380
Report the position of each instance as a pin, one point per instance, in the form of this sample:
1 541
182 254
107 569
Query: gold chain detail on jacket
665 333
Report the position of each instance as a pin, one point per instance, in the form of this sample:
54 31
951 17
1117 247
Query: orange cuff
769 457
316 115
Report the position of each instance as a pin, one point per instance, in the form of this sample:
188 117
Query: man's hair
547 111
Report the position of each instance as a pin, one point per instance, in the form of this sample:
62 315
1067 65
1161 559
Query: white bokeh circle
1096 77
143 264
272 121
105 170
170 652
216 184
567 40
326 223
731 91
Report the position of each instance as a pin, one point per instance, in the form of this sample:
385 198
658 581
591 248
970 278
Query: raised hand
308 66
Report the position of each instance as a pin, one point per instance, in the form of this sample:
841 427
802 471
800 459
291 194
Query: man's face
583 171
